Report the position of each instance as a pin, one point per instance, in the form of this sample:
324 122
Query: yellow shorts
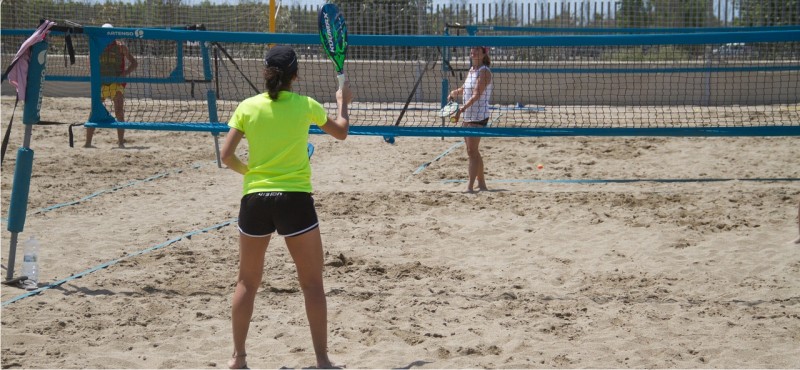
111 90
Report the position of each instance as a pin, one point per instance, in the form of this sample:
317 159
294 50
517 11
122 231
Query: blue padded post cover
18 206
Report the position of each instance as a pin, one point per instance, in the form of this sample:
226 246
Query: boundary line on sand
104 191
602 181
115 261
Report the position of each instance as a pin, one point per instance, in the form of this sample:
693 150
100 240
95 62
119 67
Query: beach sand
532 274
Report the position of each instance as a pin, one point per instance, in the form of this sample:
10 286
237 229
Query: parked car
501 54
734 50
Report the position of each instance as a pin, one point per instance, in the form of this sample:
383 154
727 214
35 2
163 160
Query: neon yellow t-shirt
277 133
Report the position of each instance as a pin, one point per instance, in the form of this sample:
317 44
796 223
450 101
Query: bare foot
330 366
323 362
797 241
238 362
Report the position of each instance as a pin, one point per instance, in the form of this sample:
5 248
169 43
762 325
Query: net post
211 97
23 167
445 78
98 112
445 92
216 149
206 61
177 73
212 116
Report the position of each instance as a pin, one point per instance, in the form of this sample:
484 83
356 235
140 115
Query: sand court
532 274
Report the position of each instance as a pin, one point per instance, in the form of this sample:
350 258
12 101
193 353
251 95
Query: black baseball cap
282 57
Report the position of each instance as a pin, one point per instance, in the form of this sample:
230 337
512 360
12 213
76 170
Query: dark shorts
291 214
483 122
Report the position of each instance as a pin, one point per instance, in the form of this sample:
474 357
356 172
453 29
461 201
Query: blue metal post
23 167
97 44
445 80
211 96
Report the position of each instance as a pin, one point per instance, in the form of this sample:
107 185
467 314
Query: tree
503 15
632 13
681 13
385 17
769 13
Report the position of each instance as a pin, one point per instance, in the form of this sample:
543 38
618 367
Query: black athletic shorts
482 122
291 214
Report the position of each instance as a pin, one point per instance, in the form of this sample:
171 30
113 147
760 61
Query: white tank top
478 111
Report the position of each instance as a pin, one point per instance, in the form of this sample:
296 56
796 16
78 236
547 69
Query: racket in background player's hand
450 110
333 35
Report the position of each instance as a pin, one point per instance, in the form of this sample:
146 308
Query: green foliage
653 53
400 17
632 13
769 13
503 15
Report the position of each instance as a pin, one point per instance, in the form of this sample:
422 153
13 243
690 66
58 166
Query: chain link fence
413 17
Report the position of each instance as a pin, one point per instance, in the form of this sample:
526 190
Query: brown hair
485 50
277 81
486 61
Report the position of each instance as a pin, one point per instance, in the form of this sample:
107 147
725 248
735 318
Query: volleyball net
721 83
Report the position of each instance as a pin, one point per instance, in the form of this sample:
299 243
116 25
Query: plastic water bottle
30 263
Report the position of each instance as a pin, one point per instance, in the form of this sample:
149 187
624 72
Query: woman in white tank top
476 92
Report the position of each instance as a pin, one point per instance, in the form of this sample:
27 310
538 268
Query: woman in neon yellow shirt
277 193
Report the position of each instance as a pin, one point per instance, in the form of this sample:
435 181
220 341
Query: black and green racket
333 35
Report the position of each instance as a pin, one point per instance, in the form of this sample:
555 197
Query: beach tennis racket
449 110
333 35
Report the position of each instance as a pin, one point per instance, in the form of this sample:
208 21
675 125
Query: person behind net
277 193
476 92
115 61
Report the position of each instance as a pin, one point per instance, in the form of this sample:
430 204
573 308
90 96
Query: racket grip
341 79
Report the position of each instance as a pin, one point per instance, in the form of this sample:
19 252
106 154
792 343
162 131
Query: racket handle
341 79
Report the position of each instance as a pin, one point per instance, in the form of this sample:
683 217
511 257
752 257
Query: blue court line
101 192
602 181
456 145
107 264
531 109
440 156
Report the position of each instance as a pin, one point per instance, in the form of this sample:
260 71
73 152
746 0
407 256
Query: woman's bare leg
89 136
251 271
306 251
119 112
475 167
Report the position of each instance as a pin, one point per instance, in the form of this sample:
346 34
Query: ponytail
277 80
